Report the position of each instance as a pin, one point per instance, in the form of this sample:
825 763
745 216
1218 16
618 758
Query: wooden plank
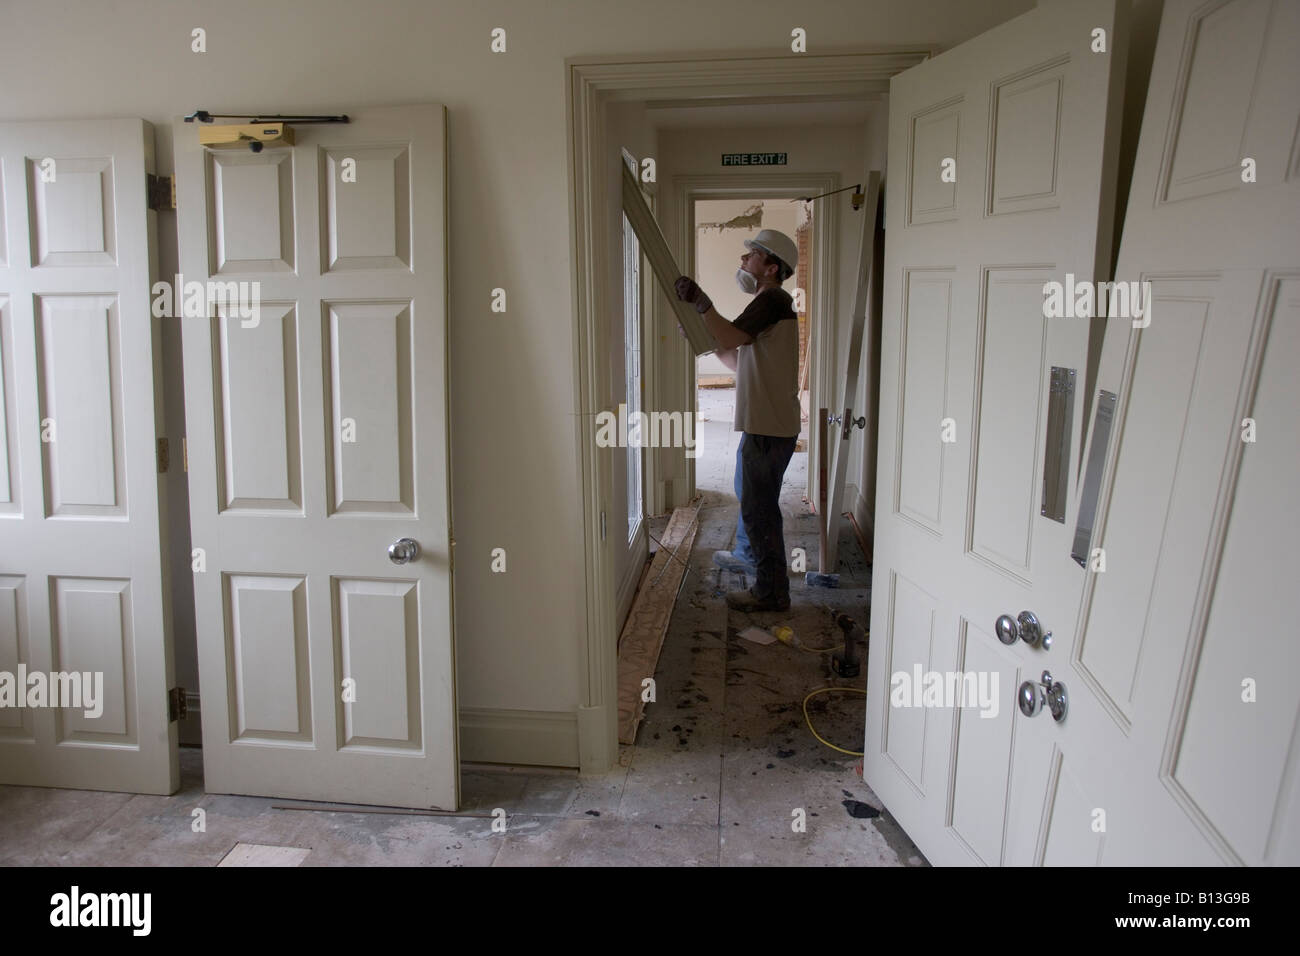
662 264
647 622
849 378
822 430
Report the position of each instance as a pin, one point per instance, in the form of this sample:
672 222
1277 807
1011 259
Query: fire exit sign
753 159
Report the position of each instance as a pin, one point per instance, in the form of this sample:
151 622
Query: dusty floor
721 768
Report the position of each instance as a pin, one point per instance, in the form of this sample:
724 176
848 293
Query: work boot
728 561
748 601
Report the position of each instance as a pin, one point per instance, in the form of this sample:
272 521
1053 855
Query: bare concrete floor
723 770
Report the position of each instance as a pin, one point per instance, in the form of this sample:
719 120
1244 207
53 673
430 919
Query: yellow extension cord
818 650
808 721
788 638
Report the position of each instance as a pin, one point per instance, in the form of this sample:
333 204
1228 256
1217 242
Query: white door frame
822 302
591 82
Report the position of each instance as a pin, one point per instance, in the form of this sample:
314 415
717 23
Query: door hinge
177 709
451 555
185 454
602 526
161 191
164 459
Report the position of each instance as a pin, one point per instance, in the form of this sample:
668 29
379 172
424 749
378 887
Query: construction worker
762 347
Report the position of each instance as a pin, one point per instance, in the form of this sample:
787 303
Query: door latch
403 550
848 422
1032 696
1026 627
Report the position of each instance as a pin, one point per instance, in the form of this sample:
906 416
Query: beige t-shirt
767 370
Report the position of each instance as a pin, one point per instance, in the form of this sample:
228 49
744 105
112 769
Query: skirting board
540 738
864 512
487 735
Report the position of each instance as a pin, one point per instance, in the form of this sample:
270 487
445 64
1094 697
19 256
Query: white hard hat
777 244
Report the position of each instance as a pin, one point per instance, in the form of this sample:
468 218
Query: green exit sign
753 159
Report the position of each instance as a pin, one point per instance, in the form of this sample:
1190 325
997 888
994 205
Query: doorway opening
721 226
593 83
712 686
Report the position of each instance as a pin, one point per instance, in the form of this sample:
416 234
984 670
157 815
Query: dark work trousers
765 459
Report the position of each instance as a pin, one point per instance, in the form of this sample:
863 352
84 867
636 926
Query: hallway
721 761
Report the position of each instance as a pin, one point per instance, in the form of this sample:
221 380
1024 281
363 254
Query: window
632 368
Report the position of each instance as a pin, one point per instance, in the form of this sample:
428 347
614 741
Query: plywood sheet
647 623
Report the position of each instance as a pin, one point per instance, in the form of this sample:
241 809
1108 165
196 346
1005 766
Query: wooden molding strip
662 263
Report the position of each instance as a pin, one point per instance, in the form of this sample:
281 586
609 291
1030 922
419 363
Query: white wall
515 480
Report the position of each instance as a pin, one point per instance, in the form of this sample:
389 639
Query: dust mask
747 282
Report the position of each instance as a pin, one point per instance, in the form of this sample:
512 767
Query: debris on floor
257 854
758 635
859 810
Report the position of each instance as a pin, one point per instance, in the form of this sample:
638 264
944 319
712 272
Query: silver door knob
1032 696
1025 627
403 550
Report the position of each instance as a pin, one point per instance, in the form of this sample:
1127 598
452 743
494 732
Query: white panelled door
839 437
1184 692
318 439
82 551
999 163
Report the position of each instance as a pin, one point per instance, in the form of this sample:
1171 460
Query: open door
82 551
839 436
318 448
1184 705
1000 155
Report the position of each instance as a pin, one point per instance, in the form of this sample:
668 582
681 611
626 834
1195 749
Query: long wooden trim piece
661 262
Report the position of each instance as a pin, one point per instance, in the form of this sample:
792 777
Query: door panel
1020 115
318 437
1008 417
255 376
81 548
1191 716
838 452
